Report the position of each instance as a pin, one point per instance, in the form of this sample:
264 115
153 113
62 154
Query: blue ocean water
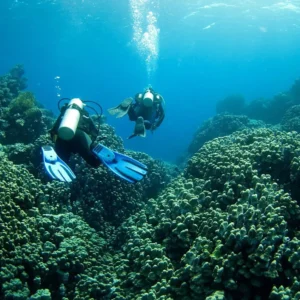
192 52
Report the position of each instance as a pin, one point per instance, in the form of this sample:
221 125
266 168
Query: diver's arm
160 117
58 120
88 125
93 128
54 130
56 124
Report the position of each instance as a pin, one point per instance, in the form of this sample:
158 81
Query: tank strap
75 106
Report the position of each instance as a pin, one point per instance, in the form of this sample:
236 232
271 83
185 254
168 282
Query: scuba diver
75 132
147 111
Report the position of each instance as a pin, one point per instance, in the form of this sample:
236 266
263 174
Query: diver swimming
147 111
75 132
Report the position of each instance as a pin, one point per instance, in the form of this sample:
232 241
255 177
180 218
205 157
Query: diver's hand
52 135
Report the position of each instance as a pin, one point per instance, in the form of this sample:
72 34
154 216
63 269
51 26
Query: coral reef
22 118
233 104
11 84
226 229
218 126
291 119
104 200
270 110
42 238
295 92
44 249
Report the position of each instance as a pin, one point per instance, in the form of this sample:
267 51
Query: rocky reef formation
225 228
233 105
47 242
234 114
221 125
46 251
270 111
291 119
11 84
22 118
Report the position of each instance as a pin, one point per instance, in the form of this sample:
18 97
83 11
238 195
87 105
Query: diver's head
149 88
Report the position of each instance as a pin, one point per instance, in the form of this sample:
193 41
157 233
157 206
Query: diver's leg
63 149
139 128
147 124
82 145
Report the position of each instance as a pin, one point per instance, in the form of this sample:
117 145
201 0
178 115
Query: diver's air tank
69 122
148 99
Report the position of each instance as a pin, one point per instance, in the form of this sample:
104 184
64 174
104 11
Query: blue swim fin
56 167
122 165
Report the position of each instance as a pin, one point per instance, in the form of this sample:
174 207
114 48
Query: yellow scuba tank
69 122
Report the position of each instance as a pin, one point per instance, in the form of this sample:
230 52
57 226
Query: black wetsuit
80 143
153 116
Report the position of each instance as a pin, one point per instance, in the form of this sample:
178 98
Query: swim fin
122 109
56 167
122 165
139 128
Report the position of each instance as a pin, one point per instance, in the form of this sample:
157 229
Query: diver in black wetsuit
147 111
75 132
82 140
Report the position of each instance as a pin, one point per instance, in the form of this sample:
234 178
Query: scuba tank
148 99
70 119
72 113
